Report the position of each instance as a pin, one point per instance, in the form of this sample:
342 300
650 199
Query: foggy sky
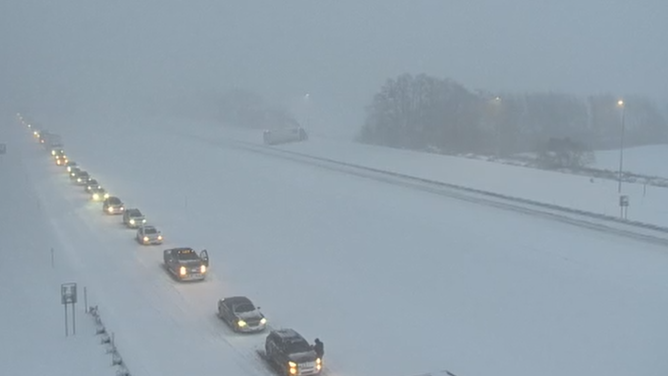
71 53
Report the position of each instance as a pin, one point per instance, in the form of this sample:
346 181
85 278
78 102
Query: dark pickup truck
185 264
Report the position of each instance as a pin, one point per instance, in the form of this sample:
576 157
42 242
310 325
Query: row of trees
424 112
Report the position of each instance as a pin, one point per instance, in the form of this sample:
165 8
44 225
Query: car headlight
263 321
96 197
132 221
79 180
146 239
318 361
203 269
182 270
106 195
111 209
143 221
159 237
241 323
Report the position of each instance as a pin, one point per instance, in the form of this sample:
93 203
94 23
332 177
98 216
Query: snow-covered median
647 204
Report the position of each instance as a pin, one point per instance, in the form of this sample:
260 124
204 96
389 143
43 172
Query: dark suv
290 353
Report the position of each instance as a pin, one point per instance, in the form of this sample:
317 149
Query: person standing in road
319 348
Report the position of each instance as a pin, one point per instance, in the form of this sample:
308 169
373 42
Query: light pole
496 102
620 104
307 102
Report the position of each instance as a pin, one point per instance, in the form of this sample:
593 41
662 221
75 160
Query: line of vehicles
285 350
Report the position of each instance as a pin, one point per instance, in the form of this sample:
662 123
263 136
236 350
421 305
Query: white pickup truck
285 135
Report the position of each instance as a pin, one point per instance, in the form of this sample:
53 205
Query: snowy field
32 325
645 160
396 282
647 204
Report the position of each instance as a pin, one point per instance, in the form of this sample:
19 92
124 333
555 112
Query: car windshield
244 307
134 213
114 201
187 254
150 230
297 346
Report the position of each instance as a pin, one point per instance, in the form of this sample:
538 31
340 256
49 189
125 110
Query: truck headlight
263 321
111 209
143 221
145 239
159 237
241 323
203 269
182 270
293 368
132 221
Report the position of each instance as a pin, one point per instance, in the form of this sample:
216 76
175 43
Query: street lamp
307 102
620 104
496 103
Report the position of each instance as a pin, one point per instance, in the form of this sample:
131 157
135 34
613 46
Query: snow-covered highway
395 281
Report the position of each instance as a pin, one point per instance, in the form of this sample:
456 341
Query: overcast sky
74 52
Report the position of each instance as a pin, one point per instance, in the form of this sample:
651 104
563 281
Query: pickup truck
185 264
284 135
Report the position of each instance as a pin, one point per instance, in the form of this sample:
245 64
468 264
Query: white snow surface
33 339
647 204
645 160
395 282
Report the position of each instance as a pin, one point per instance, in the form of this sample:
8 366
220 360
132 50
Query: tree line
428 113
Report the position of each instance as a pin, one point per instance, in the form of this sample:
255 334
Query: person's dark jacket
319 348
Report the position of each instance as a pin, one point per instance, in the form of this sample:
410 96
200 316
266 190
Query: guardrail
465 189
107 339
472 190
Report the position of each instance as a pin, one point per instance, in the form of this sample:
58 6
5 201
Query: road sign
68 293
624 200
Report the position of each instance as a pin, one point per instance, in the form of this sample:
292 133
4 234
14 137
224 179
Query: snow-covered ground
647 204
396 282
32 324
644 160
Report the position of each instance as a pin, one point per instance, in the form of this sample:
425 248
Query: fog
71 56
